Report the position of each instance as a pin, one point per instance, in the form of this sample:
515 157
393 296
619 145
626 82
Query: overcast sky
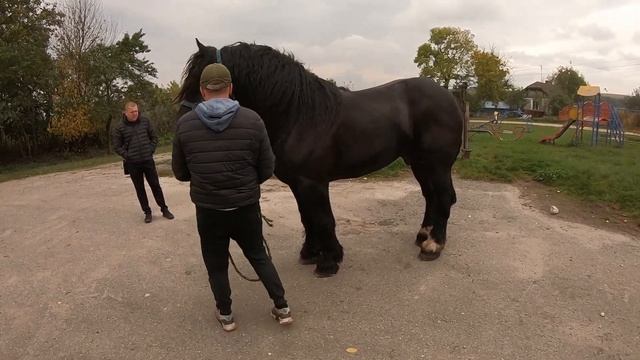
363 43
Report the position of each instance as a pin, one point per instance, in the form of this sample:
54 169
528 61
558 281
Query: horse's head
270 82
189 94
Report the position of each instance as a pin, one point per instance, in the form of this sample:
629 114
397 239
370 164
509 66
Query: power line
603 64
596 64
611 68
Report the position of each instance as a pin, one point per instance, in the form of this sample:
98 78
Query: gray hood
217 114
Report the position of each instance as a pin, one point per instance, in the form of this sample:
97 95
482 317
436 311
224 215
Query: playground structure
496 129
590 111
493 127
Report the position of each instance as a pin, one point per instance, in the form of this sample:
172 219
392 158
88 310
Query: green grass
605 174
59 164
390 171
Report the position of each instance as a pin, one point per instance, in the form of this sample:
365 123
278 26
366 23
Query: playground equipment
602 117
495 128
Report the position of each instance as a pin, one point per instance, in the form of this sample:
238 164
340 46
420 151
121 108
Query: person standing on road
224 150
135 140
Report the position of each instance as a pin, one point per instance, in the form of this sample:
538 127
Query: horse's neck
276 125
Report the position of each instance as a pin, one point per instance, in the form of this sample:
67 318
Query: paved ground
83 277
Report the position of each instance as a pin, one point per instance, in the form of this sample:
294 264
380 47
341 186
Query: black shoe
147 217
166 213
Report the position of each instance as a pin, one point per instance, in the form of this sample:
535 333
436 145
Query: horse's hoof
428 256
423 235
321 275
326 270
309 261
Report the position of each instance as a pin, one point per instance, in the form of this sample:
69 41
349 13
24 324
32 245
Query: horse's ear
200 46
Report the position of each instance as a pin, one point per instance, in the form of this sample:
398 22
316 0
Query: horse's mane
272 83
190 89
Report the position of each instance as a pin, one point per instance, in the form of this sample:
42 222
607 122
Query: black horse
320 133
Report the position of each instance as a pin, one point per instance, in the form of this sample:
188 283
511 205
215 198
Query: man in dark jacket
224 150
135 140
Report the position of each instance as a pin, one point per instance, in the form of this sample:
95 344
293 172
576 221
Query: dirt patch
601 216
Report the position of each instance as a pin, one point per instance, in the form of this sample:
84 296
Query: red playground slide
552 139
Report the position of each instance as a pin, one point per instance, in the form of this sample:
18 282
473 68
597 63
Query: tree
83 28
157 103
491 73
113 73
633 102
117 72
448 56
515 97
567 80
27 77
98 74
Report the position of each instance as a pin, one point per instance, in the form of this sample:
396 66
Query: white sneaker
283 316
227 322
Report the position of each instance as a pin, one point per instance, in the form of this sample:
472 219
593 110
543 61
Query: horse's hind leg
427 193
435 181
321 244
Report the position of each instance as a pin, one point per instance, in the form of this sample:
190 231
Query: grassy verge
605 174
59 164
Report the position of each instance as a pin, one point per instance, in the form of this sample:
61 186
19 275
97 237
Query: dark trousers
139 171
244 225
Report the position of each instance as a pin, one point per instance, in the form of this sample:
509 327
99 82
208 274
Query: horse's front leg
321 246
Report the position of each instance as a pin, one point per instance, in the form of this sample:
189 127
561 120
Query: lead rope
269 222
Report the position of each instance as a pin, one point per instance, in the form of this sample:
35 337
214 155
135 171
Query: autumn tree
98 74
448 56
491 72
83 30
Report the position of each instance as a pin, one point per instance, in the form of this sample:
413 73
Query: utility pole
541 73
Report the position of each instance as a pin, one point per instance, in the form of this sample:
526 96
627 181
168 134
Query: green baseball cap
215 77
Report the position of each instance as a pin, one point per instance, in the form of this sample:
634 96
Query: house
618 100
487 109
538 96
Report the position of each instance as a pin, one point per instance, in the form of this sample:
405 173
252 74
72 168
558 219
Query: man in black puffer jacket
224 150
135 139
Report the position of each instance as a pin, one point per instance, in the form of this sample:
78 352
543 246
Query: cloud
597 32
365 43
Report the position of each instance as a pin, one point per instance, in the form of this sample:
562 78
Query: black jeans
139 171
244 225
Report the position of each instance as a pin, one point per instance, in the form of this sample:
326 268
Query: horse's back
421 102
379 124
